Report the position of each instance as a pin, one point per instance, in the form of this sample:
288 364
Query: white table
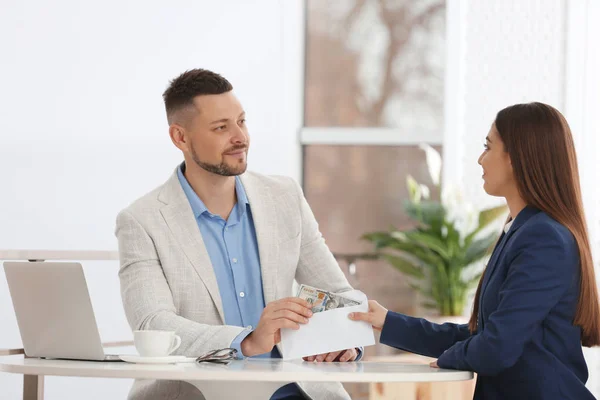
256 379
62 255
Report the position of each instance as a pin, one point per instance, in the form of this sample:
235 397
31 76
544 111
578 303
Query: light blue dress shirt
233 250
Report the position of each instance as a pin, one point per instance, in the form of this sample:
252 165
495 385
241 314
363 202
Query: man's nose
239 136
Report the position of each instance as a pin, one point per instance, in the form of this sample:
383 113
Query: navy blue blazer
525 346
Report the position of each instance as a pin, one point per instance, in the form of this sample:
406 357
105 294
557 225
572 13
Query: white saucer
134 358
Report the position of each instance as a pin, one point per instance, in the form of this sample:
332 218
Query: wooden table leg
33 387
228 390
461 390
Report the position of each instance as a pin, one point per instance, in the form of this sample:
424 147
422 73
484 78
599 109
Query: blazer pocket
288 254
287 239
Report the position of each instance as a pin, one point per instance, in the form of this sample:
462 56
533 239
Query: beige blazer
168 282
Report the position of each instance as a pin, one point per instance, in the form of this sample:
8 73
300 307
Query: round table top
264 370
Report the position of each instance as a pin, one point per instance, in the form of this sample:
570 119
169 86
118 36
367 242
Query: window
374 90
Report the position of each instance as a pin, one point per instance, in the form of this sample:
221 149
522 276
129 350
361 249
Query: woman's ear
510 165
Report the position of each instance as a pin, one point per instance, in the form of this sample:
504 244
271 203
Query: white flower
452 200
414 189
462 214
434 162
399 235
425 191
467 222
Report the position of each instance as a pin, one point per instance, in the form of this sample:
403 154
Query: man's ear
178 136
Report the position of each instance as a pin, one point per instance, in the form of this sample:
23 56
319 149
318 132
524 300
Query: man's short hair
196 82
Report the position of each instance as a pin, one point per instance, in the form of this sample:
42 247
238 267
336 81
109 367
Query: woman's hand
375 316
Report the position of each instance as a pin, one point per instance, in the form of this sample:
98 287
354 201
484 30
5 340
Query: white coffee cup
156 343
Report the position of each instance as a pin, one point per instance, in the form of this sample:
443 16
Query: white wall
502 53
514 51
582 107
83 131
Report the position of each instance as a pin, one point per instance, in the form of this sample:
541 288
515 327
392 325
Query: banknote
322 300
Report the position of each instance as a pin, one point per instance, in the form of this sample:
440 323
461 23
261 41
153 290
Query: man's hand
341 356
284 313
375 316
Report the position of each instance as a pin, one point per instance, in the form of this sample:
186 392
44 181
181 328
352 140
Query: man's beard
223 168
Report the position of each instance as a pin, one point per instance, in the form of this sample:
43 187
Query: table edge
443 375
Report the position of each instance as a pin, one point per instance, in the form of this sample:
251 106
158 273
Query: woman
537 301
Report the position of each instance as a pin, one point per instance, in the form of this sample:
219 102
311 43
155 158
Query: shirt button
249 327
242 294
226 228
234 260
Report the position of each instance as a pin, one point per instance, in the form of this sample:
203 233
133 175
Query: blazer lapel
495 255
489 270
523 217
180 219
263 206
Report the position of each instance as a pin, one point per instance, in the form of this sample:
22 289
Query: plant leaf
380 239
474 281
417 288
429 305
428 212
425 255
399 241
480 248
432 242
453 240
490 215
486 217
404 266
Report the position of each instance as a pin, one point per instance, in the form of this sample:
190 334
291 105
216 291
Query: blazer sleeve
543 267
420 336
316 265
147 298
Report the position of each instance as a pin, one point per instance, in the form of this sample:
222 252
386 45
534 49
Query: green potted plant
442 255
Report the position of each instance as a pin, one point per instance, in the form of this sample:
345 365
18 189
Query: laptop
54 311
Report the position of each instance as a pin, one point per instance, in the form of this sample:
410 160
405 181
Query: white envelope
329 331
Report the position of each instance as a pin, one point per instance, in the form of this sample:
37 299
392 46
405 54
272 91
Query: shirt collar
240 191
198 207
521 218
508 225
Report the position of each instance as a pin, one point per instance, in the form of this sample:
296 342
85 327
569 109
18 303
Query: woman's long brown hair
540 146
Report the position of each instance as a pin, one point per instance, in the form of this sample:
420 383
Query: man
213 252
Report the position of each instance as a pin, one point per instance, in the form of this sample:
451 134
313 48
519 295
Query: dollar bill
318 299
322 300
